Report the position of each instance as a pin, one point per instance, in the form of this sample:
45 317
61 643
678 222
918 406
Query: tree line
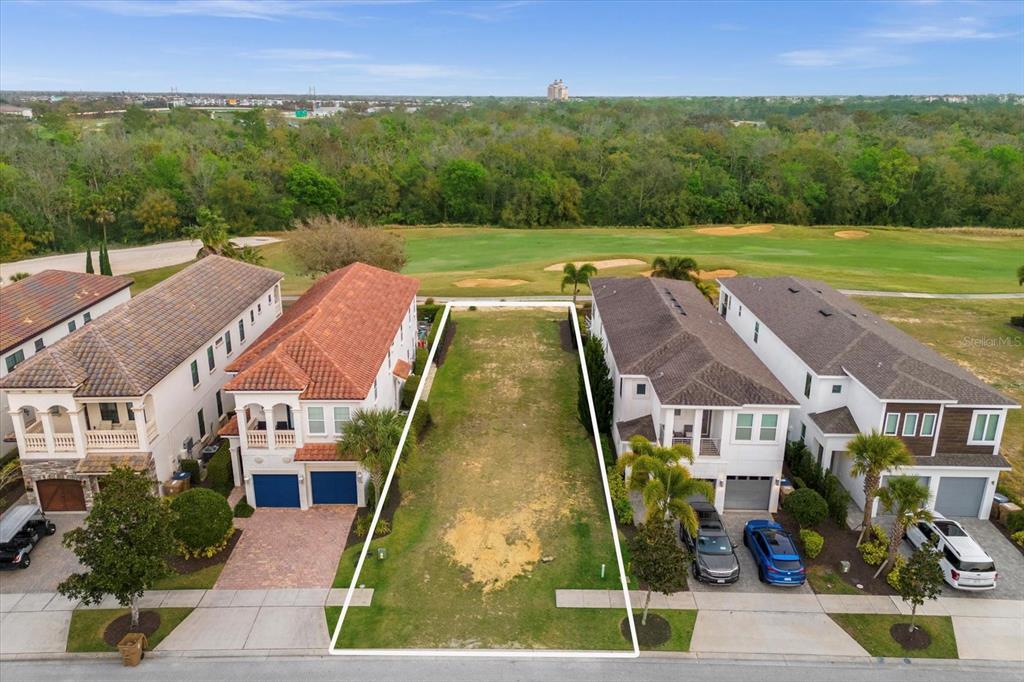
66 182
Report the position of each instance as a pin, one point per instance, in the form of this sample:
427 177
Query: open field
501 505
977 335
894 259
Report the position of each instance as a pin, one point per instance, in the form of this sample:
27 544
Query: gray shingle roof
836 336
666 330
135 345
641 426
838 422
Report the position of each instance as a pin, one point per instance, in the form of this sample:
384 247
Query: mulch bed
840 545
657 630
1005 531
448 335
11 494
149 621
566 336
918 639
391 503
185 566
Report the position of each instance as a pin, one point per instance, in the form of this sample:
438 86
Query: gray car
713 553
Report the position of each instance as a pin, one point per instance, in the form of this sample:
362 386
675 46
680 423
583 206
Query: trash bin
182 479
133 648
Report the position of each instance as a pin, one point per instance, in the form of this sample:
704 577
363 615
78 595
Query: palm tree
576 276
874 454
372 436
246 254
665 484
907 498
675 267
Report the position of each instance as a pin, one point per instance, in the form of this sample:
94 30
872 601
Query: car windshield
787 565
977 566
714 544
950 529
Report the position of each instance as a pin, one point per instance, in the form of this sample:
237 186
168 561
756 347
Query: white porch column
698 429
78 429
236 465
299 419
268 415
668 421
47 420
242 418
18 419
140 426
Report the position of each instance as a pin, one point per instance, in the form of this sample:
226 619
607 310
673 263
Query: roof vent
793 290
825 313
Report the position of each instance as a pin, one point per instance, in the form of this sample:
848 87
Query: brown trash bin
132 647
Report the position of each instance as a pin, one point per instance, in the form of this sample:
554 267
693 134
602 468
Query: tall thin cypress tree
88 260
105 260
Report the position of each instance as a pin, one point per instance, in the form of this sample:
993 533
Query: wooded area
65 182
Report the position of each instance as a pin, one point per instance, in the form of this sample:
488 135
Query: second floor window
12 360
72 326
892 421
910 424
108 413
209 358
341 415
986 426
744 426
769 426
202 423
757 331
40 345
241 331
807 385
641 389
227 342
220 405
928 425
195 373
87 318
315 419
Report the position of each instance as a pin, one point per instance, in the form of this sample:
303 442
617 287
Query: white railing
64 442
35 442
708 446
285 439
257 439
282 439
112 440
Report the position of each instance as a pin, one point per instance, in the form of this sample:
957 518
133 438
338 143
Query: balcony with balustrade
102 436
259 436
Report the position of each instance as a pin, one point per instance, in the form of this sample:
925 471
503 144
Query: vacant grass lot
872 632
896 259
977 335
501 505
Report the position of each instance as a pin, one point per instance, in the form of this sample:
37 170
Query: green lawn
872 632
88 625
505 478
888 258
203 579
826 581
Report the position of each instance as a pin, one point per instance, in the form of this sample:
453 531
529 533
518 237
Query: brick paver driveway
288 548
51 561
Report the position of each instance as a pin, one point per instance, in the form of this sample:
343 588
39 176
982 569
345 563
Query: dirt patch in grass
715 274
184 566
851 234
484 283
654 633
495 550
149 622
730 231
918 638
599 264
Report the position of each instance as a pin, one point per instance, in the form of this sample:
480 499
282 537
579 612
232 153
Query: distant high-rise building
558 91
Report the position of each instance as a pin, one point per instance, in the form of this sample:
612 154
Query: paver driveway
288 548
51 561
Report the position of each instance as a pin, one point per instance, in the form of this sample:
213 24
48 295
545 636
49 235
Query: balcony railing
708 446
35 442
257 439
282 439
112 440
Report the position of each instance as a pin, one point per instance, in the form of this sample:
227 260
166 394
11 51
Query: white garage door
748 492
960 495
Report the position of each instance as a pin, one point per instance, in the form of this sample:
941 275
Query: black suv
714 558
21 529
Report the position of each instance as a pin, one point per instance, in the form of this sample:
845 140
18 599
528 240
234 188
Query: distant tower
558 91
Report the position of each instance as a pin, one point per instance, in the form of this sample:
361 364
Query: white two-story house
346 345
683 376
38 311
854 372
141 385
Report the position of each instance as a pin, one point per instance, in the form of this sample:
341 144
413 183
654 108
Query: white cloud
301 54
931 33
862 57
491 12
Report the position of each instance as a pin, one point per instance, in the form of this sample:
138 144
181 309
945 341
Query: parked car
775 553
21 529
965 564
714 558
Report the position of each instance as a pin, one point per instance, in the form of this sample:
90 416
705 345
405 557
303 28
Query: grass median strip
88 626
872 632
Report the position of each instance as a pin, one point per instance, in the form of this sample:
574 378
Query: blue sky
513 47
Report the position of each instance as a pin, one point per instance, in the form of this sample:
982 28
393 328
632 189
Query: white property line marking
523 653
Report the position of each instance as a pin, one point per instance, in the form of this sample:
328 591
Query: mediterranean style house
38 311
853 372
141 385
347 344
683 376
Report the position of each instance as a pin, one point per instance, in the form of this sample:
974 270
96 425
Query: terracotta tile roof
402 369
102 464
320 452
836 336
667 331
33 305
230 428
330 343
128 350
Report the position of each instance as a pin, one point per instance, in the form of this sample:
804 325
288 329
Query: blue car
774 551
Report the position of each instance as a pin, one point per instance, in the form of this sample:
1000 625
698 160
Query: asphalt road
249 669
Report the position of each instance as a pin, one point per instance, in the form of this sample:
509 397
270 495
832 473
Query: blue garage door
276 490
334 487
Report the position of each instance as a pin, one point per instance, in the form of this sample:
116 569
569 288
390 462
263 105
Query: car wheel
696 572
51 529
746 543
760 574
25 562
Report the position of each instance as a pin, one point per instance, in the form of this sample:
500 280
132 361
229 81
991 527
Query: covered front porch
91 426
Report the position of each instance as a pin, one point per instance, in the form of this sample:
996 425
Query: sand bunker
729 231
494 550
850 234
599 264
716 274
488 283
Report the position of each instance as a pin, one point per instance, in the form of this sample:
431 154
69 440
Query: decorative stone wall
45 469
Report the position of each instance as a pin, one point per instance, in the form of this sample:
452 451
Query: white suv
964 562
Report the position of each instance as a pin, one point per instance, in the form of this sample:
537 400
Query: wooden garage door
61 494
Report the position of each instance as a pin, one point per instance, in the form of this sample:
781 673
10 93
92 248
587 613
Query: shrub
428 311
875 549
1018 537
325 243
218 472
203 522
243 509
1015 521
190 466
409 391
894 573
420 363
1017 321
620 497
382 529
798 483
608 449
812 541
807 506
363 526
837 498
421 419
